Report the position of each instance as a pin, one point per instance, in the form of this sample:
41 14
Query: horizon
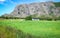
7 6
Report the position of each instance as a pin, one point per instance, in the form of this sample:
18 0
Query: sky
7 6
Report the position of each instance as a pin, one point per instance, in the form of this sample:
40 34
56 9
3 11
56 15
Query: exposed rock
42 8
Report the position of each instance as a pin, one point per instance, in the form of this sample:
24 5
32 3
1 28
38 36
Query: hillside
57 4
46 9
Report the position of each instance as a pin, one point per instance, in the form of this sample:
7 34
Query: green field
44 29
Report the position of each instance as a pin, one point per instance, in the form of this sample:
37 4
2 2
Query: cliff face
39 9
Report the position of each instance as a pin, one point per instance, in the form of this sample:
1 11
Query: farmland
43 29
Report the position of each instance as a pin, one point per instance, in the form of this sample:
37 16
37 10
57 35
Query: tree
29 17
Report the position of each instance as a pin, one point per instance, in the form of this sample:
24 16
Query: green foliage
58 18
9 17
46 18
35 16
51 13
57 4
28 18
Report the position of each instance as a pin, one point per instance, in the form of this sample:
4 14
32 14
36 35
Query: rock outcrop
39 9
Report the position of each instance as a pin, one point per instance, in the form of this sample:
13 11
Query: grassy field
44 29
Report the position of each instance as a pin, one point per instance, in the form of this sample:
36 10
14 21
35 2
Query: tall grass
43 29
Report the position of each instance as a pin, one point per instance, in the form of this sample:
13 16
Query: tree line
32 16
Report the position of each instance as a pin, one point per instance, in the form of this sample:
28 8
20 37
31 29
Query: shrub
28 18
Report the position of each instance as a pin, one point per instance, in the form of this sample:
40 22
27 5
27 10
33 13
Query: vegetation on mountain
57 4
36 11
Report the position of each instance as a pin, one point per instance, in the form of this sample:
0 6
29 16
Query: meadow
41 29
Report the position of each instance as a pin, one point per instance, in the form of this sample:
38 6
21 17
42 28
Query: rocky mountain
37 9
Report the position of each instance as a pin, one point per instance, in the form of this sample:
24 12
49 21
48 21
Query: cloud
2 0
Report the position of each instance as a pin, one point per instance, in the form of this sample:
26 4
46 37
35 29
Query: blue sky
7 6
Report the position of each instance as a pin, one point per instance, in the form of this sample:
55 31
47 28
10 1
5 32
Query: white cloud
2 0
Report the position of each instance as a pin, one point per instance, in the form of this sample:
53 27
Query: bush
9 17
28 18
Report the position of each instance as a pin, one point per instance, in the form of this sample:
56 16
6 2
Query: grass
44 29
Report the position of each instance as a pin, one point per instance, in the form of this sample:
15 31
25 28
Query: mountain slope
57 4
49 9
